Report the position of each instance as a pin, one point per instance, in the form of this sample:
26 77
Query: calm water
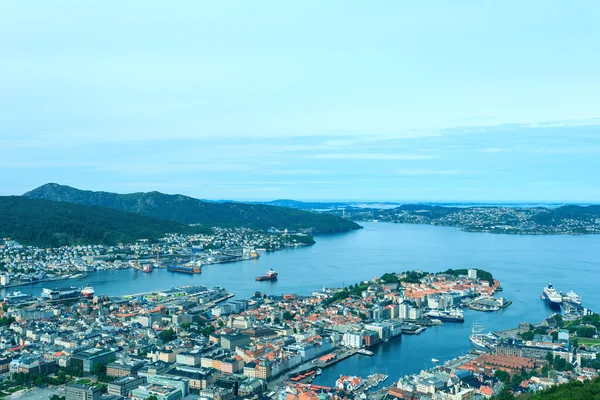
524 264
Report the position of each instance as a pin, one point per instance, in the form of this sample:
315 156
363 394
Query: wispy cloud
372 156
429 172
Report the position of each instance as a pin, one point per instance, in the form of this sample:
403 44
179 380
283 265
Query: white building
472 274
4 280
352 339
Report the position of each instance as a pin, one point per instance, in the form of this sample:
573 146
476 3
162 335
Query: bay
523 264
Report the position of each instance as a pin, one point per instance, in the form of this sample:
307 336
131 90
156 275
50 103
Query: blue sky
338 100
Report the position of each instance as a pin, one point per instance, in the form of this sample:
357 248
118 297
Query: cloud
372 156
429 172
491 150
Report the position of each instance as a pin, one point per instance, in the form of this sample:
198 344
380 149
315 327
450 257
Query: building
4 279
472 274
81 392
123 369
230 342
122 387
352 339
87 359
199 378
160 392
189 359
179 383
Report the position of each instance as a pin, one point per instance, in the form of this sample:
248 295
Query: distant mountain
46 223
189 210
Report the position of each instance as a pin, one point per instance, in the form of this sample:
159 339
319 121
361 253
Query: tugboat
269 276
147 268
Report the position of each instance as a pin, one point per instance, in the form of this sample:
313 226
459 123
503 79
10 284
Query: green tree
167 335
502 376
516 380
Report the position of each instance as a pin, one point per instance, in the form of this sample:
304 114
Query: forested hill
189 210
46 223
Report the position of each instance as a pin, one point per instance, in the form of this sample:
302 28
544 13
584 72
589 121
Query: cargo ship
87 291
451 315
551 296
269 276
184 269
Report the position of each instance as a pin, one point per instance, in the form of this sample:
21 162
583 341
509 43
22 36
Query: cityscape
299 200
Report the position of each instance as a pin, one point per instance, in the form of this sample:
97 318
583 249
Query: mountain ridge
189 210
46 223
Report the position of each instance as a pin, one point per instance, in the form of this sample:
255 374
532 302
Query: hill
189 210
573 390
46 223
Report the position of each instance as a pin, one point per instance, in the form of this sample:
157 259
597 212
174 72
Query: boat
269 276
147 268
574 297
477 337
61 294
184 269
319 371
17 297
551 296
435 360
87 291
447 315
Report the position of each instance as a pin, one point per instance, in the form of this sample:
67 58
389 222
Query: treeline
52 224
481 274
573 390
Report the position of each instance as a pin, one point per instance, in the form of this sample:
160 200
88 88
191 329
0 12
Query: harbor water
523 264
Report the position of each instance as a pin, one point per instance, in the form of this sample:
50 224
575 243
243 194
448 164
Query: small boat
435 360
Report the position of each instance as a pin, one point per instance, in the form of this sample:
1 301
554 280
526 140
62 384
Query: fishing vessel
552 297
574 297
87 291
269 276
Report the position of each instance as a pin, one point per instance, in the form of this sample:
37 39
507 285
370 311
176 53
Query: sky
309 100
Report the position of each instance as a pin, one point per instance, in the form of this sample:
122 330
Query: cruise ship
451 315
61 294
17 297
551 296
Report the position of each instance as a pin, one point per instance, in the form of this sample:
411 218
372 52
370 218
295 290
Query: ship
61 294
448 315
87 291
17 297
476 336
184 269
551 296
269 276
147 268
479 339
574 297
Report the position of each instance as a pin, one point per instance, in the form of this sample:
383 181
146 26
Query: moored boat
552 297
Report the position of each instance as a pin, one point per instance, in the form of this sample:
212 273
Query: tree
288 316
277 320
167 335
502 376
549 358
517 380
